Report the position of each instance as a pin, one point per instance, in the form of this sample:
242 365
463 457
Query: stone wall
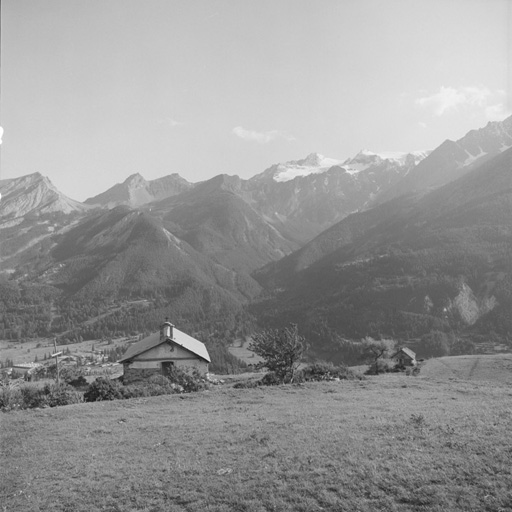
134 374
139 370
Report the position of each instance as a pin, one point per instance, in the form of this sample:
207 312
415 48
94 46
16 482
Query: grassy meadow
240 349
438 442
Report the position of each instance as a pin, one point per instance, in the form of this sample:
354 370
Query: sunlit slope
490 368
439 261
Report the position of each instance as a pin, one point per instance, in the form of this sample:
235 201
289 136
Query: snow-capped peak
312 164
366 158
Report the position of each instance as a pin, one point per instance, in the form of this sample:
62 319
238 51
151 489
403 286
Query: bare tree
281 351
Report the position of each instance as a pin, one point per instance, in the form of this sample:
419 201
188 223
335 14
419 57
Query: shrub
324 371
136 390
33 397
188 381
62 394
154 386
79 382
271 379
10 395
103 389
380 366
247 384
176 381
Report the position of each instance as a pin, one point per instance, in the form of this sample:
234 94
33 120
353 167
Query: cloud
449 98
167 121
498 111
261 137
173 122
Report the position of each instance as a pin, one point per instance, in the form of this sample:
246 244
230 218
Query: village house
22 369
163 350
404 357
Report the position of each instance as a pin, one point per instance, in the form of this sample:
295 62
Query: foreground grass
389 443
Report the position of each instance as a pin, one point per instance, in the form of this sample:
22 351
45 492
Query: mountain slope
107 264
34 194
125 252
216 219
452 159
302 198
136 191
32 210
442 261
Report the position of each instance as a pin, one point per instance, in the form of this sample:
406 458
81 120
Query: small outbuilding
25 368
404 357
162 350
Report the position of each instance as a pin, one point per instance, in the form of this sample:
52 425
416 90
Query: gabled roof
406 351
180 338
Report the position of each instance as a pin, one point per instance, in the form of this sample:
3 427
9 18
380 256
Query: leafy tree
375 350
281 351
434 344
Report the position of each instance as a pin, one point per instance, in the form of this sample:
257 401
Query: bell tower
166 330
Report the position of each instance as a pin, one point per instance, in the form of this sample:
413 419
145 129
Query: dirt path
488 367
473 368
458 367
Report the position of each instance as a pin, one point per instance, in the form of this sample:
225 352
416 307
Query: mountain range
440 261
397 244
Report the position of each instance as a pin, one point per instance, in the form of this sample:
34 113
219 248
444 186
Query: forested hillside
227 256
440 262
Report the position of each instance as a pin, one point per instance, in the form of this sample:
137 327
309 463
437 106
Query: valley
255 256
410 246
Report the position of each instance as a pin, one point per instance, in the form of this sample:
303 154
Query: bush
188 381
380 366
247 384
271 379
154 386
62 394
14 396
79 382
33 397
323 371
10 395
176 381
103 389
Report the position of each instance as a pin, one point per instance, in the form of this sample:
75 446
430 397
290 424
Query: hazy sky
95 90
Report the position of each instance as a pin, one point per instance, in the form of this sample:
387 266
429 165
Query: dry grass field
437 442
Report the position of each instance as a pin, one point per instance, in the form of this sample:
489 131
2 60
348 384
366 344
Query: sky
94 91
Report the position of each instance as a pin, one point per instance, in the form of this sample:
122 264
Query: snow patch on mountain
472 158
366 159
312 164
318 164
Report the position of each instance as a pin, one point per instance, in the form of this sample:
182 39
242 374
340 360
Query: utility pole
56 355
